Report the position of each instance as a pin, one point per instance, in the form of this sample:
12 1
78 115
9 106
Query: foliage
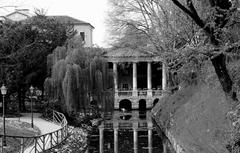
24 47
48 107
220 24
218 21
76 74
76 142
234 144
234 70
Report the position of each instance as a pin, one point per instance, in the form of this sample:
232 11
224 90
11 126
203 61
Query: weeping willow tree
76 74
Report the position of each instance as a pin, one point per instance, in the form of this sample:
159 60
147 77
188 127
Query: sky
92 11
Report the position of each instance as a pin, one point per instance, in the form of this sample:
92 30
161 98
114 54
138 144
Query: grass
17 128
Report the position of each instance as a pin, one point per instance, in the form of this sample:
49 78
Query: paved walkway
44 126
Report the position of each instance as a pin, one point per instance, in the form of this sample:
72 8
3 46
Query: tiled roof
17 12
127 52
67 19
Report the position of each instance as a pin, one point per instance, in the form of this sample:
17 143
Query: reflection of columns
115 140
101 140
87 151
135 137
149 78
134 79
164 76
135 140
115 76
164 143
149 137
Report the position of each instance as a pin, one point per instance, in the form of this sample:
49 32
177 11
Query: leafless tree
165 26
218 18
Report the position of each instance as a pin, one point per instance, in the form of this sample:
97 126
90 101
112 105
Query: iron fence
41 143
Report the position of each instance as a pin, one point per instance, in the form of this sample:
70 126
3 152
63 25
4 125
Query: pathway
44 126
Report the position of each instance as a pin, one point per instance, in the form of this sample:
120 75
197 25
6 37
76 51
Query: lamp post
31 90
4 92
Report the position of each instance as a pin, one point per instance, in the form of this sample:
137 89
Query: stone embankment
195 119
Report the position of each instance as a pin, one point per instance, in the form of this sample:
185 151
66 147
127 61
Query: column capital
115 125
150 125
101 127
135 125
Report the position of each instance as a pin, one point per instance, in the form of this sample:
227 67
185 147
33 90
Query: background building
18 15
84 29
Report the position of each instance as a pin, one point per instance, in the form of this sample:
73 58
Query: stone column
115 78
115 140
135 140
101 139
135 92
164 76
164 147
135 137
150 137
87 151
149 78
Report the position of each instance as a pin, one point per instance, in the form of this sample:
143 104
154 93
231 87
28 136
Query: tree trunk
21 97
219 63
42 96
23 100
19 100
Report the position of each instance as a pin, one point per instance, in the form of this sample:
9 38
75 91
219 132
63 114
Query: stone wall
195 118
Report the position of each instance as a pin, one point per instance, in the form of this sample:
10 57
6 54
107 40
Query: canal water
125 132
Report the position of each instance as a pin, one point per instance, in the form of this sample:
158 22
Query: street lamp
31 90
4 92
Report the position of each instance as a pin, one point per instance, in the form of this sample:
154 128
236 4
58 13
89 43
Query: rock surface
195 118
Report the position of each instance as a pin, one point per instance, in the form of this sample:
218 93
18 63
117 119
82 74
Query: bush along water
80 126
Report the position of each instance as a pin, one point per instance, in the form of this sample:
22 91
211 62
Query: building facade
84 29
139 78
19 15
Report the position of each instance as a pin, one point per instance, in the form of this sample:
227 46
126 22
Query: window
125 86
110 65
82 34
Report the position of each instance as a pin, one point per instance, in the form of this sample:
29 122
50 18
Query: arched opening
125 105
155 101
93 103
142 105
142 109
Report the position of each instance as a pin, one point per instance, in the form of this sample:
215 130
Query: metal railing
155 92
142 92
41 143
125 93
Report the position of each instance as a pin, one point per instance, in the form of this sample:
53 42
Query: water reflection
125 132
125 117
